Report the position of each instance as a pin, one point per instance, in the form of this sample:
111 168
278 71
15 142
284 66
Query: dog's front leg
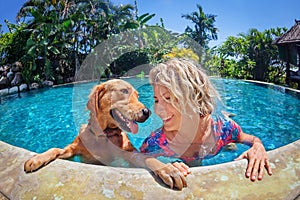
43 159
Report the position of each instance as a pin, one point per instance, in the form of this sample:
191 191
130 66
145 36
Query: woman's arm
256 156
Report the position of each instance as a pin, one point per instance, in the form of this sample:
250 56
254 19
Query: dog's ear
94 98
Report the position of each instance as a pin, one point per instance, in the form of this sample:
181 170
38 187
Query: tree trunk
77 66
260 72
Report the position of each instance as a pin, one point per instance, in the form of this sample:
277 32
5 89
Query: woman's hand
168 173
257 161
171 176
183 168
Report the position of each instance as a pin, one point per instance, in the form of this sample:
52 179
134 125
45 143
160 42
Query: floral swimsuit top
225 131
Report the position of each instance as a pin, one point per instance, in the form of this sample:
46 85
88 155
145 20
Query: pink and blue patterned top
225 131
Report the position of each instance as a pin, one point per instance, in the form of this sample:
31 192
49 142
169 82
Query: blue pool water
39 120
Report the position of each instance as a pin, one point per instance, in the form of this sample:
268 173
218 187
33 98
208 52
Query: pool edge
284 88
69 180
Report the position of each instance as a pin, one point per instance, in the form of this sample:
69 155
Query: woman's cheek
158 109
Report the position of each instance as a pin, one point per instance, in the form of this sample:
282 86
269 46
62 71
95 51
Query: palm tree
47 44
62 33
204 28
255 56
260 50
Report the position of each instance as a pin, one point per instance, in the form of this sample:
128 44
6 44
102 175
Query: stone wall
64 179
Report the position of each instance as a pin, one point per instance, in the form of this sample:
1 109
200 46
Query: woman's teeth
167 118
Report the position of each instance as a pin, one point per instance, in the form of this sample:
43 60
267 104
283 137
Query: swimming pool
39 120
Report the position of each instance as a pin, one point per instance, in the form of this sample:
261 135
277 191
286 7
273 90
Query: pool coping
282 88
64 179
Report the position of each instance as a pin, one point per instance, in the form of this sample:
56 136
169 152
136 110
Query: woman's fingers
183 168
261 170
255 169
268 167
265 164
251 162
171 176
257 163
179 180
166 179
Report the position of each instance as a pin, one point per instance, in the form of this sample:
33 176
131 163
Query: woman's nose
159 109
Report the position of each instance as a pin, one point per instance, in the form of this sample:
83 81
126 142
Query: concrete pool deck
64 179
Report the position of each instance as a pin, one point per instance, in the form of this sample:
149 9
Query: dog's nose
146 112
143 115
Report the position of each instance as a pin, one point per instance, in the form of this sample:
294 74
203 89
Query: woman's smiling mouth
167 119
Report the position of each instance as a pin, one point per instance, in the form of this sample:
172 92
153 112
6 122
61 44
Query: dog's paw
33 164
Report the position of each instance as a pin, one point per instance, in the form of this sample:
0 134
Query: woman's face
164 109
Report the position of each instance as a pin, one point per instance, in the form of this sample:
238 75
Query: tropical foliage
131 48
56 40
55 36
252 56
204 28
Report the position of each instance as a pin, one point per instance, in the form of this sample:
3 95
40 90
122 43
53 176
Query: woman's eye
124 91
155 101
168 98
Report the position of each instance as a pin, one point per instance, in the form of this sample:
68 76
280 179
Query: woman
184 100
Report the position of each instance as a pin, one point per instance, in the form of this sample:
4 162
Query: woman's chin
168 128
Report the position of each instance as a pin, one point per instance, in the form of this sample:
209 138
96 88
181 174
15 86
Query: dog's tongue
133 127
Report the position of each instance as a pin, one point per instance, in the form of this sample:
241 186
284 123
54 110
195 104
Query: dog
114 108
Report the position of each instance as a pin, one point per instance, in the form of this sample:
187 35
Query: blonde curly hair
189 85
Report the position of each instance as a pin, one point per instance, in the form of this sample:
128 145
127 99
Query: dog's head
115 103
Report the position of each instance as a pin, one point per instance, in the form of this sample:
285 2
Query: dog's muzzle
130 125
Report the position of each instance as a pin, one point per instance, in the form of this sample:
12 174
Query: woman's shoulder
225 127
220 119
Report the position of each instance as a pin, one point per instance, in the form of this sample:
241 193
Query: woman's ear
94 98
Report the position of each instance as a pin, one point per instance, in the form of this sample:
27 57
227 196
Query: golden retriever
114 107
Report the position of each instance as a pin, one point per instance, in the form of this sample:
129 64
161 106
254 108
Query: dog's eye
124 91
